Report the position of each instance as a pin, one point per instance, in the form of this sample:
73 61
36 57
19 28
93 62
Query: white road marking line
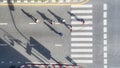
81 50
105 15
3 44
39 1
81 45
82 6
105 55
105 29
4 1
82 28
105 22
57 23
105 61
36 63
81 33
58 45
2 62
3 23
105 42
81 55
61 1
18 62
81 11
79 22
105 66
28 62
105 48
83 61
83 17
25 1
32 23
81 39
105 7
32 1
18 1
105 36
68 0
10 62
53 1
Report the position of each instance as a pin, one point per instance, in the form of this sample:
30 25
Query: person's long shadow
29 15
52 29
61 20
71 60
10 5
11 8
41 49
57 17
78 19
44 17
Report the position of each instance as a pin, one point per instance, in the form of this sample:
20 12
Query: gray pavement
32 40
113 34
98 34
37 35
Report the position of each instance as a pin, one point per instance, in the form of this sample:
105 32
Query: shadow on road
29 15
78 19
10 5
29 49
52 29
10 55
57 17
11 8
61 20
40 48
3 43
30 52
71 60
45 17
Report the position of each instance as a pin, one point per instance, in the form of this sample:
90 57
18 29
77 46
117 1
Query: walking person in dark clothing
83 21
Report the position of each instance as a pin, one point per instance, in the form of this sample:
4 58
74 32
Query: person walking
83 21
36 20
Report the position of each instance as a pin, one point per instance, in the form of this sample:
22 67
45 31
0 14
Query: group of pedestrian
52 22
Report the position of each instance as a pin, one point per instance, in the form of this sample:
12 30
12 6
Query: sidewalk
44 1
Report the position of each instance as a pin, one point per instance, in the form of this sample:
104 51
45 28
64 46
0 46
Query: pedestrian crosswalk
82 33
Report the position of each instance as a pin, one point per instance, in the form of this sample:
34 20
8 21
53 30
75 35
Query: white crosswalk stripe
81 44
81 50
81 41
82 33
84 17
81 11
80 23
82 28
84 61
82 6
81 55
